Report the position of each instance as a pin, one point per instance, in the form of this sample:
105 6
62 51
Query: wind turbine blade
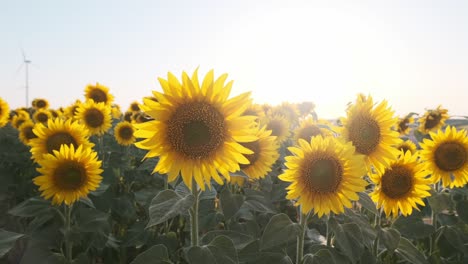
19 68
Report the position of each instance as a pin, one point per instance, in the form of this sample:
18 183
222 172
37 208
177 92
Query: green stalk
378 220
68 243
300 237
194 216
328 230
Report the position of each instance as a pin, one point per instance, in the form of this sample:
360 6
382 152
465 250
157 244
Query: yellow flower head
407 145
401 186
279 127
325 175
369 128
99 94
404 124
446 156
68 174
42 116
4 113
265 153
56 133
96 117
197 130
124 133
25 132
309 128
433 119
40 103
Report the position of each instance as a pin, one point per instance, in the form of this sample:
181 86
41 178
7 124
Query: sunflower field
192 174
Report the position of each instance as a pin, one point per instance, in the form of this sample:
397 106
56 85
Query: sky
414 54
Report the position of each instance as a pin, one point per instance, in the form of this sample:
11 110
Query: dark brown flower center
28 132
255 147
432 120
54 141
70 176
308 132
196 129
450 156
126 132
405 148
322 175
94 118
134 107
42 117
41 104
277 127
397 181
364 133
128 116
98 95
403 125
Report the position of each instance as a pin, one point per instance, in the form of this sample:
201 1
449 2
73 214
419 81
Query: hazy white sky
412 53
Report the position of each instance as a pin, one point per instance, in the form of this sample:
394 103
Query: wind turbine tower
26 62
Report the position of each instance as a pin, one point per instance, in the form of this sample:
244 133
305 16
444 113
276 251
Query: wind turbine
26 63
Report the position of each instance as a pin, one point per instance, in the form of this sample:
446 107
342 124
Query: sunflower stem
328 230
300 237
378 221
432 242
68 243
194 216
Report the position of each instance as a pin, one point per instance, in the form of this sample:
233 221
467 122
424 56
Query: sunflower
326 175
56 133
140 117
401 186
433 120
265 153
404 124
18 120
310 128
99 94
124 133
42 116
69 174
306 108
40 103
128 116
196 129
446 156
95 116
407 145
254 110
71 110
369 128
25 132
288 110
4 113
279 127
116 112
134 107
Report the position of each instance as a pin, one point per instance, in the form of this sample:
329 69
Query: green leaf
220 250
440 202
390 238
454 237
323 256
409 252
413 227
348 238
462 210
7 241
31 207
230 204
367 202
240 240
279 230
156 254
168 204
92 220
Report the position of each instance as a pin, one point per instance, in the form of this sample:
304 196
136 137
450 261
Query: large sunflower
196 129
25 132
4 112
401 186
309 128
69 174
124 133
326 175
99 94
56 133
433 119
95 116
446 156
265 153
279 127
369 128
